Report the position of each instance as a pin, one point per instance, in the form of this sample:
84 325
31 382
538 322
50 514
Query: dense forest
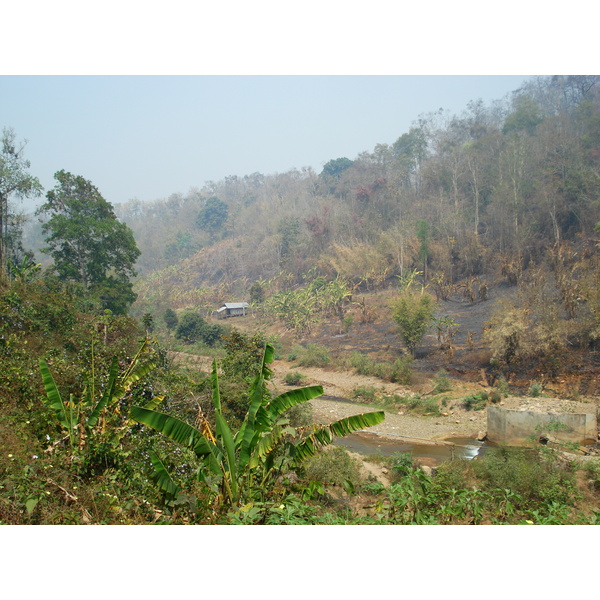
108 330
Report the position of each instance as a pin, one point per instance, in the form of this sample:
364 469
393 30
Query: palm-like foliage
238 464
79 416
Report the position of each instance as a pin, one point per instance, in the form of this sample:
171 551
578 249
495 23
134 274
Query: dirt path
338 388
340 385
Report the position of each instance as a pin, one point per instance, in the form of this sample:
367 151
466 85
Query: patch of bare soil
455 420
338 387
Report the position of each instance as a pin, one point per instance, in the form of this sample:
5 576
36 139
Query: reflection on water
370 443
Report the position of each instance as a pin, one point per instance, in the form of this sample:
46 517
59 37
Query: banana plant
80 416
237 464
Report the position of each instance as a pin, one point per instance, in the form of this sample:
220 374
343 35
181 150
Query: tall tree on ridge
14 180
87 242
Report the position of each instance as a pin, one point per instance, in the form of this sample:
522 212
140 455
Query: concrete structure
232 309
523 427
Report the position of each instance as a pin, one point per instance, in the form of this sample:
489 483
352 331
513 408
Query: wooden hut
232 309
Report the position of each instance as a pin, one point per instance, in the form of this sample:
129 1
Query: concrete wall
518 427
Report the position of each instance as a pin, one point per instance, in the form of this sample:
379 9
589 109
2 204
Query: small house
232 309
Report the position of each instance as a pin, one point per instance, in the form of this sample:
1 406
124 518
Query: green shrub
347 322
422 406
535 390
398 371
413 313
536 476
401 372
476 401
502 386
243 355
293 378
333 466
495 396
170 318
300 415
592 470
366 393
193 328
401 464
441 382
360 363
314 355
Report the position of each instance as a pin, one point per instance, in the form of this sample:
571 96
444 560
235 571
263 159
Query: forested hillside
503 195
488 193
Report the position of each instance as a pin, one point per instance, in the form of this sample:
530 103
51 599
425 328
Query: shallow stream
371 443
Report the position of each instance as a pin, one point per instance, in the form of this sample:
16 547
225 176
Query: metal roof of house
235 305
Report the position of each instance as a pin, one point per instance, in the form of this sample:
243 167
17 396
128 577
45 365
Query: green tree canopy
212 215
335 167
413 313
527 115
170 318
14 181
87 242
193 328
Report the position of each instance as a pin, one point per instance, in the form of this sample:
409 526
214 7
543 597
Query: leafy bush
334 466
170 318
502 386
592 469
441 382
402 464
422 406
476 401
347 322
243 355
293 378
314 355
413 313
536 476
398 371
193 328
300 415
495 396
366 393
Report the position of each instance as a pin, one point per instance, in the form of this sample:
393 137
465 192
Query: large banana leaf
230 467
248 433
162 478
268 442
267 415
225 438
325 435
53 398
128 379
256 395
154 403
266 418
173 428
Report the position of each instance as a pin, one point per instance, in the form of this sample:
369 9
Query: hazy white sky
147 137
146 100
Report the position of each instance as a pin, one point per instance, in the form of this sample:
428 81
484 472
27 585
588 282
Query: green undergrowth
509 486
103 470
